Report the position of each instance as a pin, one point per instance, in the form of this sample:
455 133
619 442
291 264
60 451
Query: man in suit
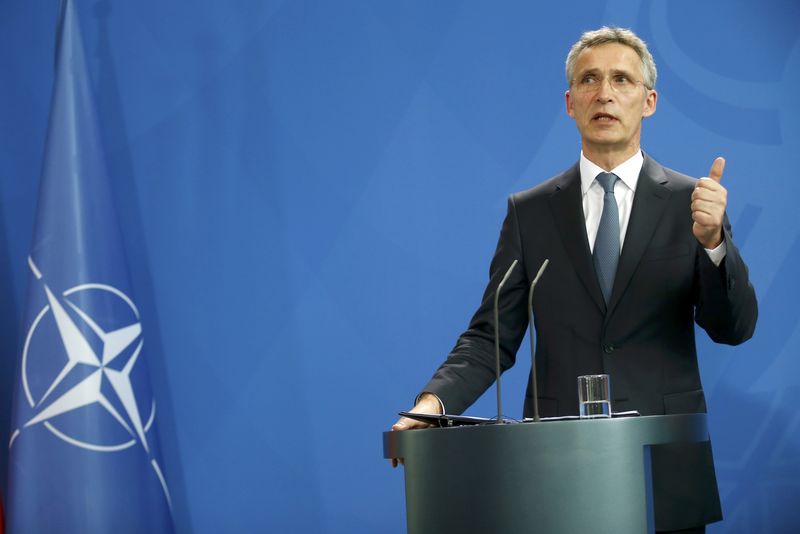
638 253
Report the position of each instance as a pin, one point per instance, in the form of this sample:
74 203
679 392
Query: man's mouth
604 117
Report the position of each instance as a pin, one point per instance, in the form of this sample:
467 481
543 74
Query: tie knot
607 180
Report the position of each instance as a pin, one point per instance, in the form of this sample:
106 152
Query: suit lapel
649 202
567 208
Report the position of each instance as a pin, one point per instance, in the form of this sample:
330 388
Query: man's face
609 119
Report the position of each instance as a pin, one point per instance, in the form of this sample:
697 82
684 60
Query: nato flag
83 453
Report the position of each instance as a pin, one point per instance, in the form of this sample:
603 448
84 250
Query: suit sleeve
470 367
726 305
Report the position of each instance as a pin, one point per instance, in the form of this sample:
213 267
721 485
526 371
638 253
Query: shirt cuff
717 254
441 404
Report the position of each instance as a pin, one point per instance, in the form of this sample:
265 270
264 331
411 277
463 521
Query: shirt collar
628 171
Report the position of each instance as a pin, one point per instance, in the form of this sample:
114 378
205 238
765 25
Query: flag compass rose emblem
80 353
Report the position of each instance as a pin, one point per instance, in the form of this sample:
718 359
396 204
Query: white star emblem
88 391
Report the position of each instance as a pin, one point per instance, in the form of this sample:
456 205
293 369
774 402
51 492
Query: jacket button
608 349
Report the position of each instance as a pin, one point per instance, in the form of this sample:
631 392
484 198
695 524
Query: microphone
530 334
497 338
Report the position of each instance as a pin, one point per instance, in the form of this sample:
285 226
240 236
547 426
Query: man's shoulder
570 178
672 179
550 186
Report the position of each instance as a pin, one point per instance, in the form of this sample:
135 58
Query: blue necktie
606 245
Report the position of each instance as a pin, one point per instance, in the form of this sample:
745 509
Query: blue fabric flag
83 452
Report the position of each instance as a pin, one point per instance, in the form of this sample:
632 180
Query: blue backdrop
310 194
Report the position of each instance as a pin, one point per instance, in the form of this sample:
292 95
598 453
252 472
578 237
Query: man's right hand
427 403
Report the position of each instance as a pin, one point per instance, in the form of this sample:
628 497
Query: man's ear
650 103
568 102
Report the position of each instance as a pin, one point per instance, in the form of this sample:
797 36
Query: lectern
550 477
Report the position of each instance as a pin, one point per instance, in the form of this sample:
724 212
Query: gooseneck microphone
530 334
497 338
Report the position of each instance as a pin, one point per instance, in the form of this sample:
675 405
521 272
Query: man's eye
589 79
621 79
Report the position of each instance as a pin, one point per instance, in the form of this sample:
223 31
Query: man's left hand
709 200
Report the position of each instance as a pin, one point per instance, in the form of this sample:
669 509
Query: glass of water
594 396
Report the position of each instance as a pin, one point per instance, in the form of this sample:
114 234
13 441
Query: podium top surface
625 433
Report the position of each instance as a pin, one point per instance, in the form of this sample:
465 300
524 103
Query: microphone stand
497 338
530 334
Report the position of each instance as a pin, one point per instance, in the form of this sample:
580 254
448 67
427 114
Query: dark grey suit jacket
644 339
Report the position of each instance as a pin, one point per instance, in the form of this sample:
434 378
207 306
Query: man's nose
605 93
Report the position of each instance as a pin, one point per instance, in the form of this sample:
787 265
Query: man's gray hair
606 35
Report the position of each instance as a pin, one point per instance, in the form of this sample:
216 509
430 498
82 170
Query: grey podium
549 477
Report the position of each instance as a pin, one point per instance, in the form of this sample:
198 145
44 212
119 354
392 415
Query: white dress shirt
624 189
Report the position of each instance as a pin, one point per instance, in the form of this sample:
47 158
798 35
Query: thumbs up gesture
708 206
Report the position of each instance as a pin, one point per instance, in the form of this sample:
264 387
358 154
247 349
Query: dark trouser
695 530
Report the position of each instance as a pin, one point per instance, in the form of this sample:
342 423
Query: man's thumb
716 169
